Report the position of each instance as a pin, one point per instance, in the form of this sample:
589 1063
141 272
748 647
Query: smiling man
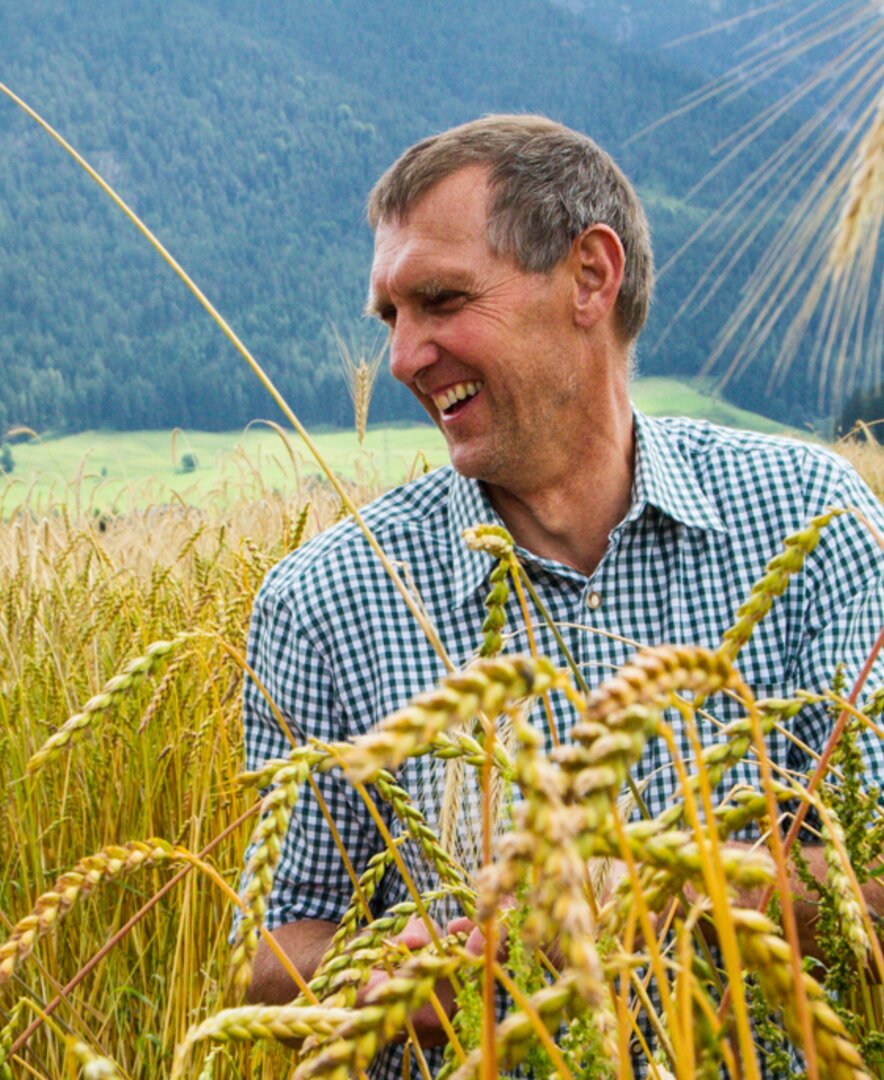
513 269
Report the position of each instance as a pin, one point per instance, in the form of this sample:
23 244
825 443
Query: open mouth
451 401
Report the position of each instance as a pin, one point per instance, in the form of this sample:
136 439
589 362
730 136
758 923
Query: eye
446 300
387 315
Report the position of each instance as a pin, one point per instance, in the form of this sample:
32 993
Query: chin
485 467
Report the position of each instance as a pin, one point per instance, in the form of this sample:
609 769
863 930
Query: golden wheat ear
360 371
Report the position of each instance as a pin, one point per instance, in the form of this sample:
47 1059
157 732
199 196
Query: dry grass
866 456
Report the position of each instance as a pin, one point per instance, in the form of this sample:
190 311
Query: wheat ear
350 968
487 686
267 842
356 1041
6 1036
849 911
769 956
94 1066
516 1034
369 881
50 908
77 725
250 1022
494 541
774 582
649 677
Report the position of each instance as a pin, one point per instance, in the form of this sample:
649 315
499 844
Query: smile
447 399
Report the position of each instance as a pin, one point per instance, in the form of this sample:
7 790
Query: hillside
247 135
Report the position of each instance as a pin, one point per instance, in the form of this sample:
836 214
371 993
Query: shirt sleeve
311 880
844 613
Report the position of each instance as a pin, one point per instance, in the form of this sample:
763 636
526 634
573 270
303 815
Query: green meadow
115 472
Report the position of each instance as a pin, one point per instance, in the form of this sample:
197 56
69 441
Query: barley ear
360 373
861 210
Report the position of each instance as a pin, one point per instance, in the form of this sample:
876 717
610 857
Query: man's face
489 350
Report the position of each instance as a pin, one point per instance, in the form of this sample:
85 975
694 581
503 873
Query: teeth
453 394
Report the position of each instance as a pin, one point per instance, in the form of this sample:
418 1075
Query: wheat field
126 820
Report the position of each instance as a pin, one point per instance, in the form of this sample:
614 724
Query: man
513 269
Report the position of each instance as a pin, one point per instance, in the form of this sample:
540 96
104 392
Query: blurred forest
247 134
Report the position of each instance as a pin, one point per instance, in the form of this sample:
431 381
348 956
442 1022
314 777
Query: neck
569 516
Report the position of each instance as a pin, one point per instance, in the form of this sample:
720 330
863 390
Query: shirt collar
663 478
468 505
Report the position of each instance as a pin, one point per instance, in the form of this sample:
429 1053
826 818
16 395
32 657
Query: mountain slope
247 135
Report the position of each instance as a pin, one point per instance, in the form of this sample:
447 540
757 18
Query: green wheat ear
777 575
495 541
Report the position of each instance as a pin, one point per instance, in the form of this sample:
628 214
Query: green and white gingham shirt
337 649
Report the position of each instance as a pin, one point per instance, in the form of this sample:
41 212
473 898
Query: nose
412 348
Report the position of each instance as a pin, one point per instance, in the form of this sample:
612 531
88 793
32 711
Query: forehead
445 231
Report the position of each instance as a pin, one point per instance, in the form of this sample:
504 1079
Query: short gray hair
548 183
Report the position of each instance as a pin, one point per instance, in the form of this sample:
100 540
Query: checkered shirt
337 649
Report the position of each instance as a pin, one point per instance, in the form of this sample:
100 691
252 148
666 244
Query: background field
117 471
156 754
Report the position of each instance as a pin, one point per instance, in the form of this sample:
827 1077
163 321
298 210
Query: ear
597 261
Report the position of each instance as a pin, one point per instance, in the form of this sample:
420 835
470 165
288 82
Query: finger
461 925
375 977
415 934
476 942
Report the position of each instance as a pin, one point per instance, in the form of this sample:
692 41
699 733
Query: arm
305 943
805 901
311 886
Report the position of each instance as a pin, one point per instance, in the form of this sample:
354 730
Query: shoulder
409 522
766 488
733 464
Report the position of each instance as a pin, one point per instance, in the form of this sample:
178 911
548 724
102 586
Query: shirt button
594 600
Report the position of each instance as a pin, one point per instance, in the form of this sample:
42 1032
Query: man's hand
427 1025
476 938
